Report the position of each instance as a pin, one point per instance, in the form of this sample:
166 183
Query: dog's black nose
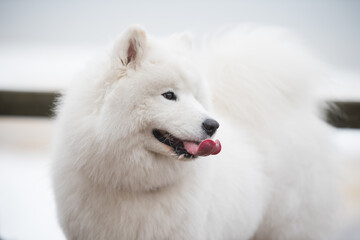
210 126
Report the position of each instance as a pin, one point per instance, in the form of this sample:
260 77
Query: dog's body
129 160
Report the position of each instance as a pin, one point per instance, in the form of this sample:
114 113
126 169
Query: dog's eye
169 95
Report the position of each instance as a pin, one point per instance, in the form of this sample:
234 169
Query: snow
27 208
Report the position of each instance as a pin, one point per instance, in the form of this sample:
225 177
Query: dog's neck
135 169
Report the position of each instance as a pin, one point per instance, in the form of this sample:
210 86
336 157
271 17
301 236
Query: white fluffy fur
272 180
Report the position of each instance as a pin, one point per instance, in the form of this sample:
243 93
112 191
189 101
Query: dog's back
265 81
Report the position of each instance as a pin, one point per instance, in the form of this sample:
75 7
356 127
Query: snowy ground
27 209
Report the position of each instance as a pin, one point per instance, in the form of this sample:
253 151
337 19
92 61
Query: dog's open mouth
188 149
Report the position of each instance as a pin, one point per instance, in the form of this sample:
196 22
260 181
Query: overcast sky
330 27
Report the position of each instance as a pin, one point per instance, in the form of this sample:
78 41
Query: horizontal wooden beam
343 114
40 104
14 103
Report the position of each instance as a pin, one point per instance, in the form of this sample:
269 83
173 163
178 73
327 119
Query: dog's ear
184 40
130 47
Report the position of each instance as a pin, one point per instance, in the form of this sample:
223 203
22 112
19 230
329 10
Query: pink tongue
205 148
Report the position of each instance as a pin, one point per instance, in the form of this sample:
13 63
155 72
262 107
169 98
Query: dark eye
169 95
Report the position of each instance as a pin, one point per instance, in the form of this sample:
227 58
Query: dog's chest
154 216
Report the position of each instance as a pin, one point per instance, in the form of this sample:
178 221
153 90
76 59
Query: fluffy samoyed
137 149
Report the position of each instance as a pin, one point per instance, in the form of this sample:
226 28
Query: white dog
135 159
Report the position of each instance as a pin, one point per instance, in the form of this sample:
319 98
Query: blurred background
44 44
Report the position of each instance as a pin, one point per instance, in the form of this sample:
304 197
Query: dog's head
145 107
156 97
126 124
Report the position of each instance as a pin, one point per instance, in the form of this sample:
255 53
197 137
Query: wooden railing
13 103
343 114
